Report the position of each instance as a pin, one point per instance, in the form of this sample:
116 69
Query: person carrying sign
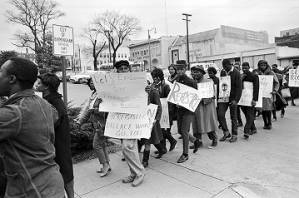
231 101
249 111
184 116
205 119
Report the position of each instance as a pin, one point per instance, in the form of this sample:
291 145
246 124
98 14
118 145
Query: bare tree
36 16
97 46
116 27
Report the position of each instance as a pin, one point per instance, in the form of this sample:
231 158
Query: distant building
158 56
288 38
222 40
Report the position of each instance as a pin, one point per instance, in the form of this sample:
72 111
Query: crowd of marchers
34 132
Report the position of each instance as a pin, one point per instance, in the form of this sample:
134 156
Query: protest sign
247 94
224 87
131 126
266 85
206 89
121 92
164 122
294 78
184 96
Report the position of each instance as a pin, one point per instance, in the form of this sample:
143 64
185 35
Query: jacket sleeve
238 87
256 87
10 121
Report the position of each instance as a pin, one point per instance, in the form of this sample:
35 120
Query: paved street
267 165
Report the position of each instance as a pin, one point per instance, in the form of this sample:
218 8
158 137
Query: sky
166 16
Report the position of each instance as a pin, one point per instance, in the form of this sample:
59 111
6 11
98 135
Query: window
125 55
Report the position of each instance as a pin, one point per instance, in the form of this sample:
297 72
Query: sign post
63 45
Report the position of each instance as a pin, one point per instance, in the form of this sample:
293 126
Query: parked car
79 78
59 74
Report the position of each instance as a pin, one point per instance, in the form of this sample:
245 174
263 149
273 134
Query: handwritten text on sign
266 85
294 78
164 122
121 92
206 89
131 126
184 96
224 86
63 41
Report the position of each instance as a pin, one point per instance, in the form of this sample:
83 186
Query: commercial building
288 38
153 52
222 40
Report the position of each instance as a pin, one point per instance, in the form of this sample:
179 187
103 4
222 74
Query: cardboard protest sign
247 94
224 87
131 126
293 78
164 122
121 92
266 85
184 96
206 89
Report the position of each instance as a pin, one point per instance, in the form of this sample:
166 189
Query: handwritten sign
266 85
184 96
63 40
224 86
206 89
121 92
164 122
294 78
131 126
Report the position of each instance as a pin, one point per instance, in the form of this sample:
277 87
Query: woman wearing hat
205 119
264 69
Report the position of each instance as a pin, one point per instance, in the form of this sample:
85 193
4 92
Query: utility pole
149 47
187 36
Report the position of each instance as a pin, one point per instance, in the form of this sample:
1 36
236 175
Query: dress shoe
246 136
183 158
138 180
197 144
105 172
214 143
233 139
145 164
101 170
160 154
172 145
267 127
225 137
253 132
128 179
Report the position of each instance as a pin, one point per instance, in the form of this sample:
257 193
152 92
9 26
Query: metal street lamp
187 36
149 46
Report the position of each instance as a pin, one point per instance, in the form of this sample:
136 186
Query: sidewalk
267 165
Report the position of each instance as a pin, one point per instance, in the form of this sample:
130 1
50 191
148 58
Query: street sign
63 40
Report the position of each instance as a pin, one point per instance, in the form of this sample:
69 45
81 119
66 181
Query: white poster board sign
224 87
293 78
184 96
206 89
266 85
131 126
247 94
121 92
63 40
164 122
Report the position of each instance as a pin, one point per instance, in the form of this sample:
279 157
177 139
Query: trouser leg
234 120
69 189
239 115
222 108
265 119
186 119
212 136
130 152
99 145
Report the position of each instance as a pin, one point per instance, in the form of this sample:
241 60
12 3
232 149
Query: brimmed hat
198 68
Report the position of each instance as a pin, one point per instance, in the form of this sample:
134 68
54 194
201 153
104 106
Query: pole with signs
63 45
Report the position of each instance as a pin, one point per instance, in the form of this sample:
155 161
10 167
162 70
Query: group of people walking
34 133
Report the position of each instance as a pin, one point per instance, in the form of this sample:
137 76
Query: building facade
151 53
288 38
222 40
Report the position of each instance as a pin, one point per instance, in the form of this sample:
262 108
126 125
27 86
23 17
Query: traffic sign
63 40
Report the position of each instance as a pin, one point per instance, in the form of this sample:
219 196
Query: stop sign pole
63 45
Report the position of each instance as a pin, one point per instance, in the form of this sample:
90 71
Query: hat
180 66
120 63
181 62
198 68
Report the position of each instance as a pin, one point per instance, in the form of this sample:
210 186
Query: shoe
181 137
267 127
156 152
191 147
101 170
160 154
145 164
246 136
253 132
233 139
105 173
214 143
183 158
197 144
138 180
123 159
129 179
293 104
219 126
275 118
225 137
172 145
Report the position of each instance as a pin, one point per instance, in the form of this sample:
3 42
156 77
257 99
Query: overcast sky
166 16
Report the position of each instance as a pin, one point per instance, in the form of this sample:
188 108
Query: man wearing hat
231 102
184 116
27 134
